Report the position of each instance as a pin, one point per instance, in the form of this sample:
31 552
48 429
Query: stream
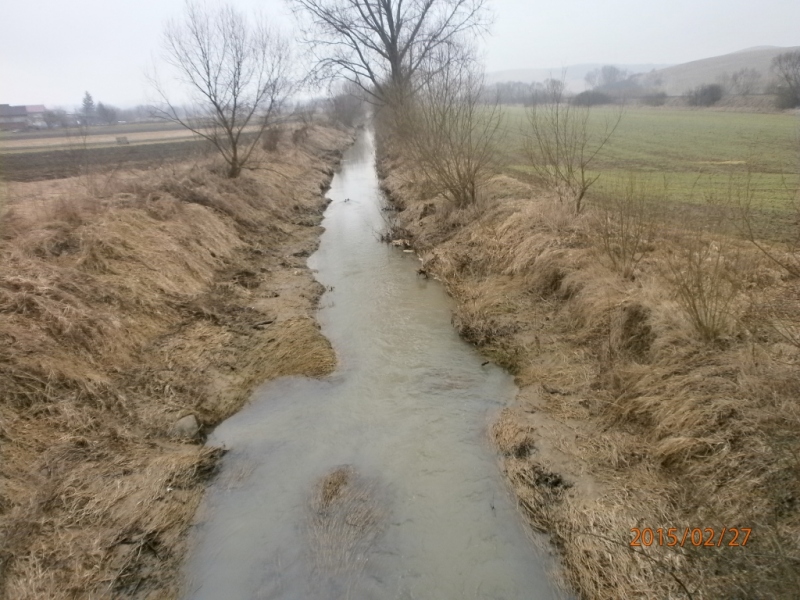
424 512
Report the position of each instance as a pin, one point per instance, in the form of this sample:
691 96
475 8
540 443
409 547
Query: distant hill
677 79
574 74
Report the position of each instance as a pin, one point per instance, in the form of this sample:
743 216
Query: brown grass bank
123 309
626 418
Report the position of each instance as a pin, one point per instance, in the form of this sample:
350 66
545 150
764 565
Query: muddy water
407 410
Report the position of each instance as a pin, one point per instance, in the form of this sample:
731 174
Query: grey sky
53 51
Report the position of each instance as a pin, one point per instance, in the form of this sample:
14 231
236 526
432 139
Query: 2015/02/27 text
696 536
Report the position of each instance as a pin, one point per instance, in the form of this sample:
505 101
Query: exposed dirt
625 418
123 308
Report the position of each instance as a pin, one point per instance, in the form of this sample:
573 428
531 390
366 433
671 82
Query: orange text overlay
691 536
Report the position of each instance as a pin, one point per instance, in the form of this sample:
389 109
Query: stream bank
131 302
625 418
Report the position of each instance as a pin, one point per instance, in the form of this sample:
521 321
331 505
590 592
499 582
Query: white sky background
52 51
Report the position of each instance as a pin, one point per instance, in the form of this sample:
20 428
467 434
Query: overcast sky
54 50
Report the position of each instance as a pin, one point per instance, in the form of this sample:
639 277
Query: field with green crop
700 156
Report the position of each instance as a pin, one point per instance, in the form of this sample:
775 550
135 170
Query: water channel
407 411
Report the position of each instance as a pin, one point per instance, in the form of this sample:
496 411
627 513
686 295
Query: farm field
151 129
697 154
53 154
68 162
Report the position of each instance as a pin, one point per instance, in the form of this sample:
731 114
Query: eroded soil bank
624 418
127 303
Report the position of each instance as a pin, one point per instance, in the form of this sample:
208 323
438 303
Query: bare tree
745 82
787 67
346 106
238 76
55 118
561 144
106 113
450 131
382 45
605 77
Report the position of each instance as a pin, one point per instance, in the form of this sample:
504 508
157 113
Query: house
21 117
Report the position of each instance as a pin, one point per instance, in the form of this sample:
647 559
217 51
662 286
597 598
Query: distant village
22 117
38 116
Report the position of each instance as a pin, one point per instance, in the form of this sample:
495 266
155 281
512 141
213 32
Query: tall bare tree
238 75
381 45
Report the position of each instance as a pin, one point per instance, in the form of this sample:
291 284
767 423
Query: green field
698 154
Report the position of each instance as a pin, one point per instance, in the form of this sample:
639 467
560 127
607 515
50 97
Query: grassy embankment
630 414
127 303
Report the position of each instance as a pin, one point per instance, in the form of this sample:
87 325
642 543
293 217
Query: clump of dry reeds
346 517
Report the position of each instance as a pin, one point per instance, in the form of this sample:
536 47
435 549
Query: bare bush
272 138
745 82
655 99
238 75
450 133
300 135
561 146
781 309
787 68
785 254
346 107
626 222
704 95
707 276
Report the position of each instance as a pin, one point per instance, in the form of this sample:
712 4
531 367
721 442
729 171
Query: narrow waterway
406 412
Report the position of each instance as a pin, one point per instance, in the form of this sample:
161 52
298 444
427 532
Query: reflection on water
407 411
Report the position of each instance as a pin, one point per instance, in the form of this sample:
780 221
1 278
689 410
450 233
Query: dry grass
346 518
627 416
175 292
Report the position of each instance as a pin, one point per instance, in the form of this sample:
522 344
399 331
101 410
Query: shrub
272 138
707 278
786 98
451 133
345 109
592 98
705 95
626 222
655 99
300 135
561 145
